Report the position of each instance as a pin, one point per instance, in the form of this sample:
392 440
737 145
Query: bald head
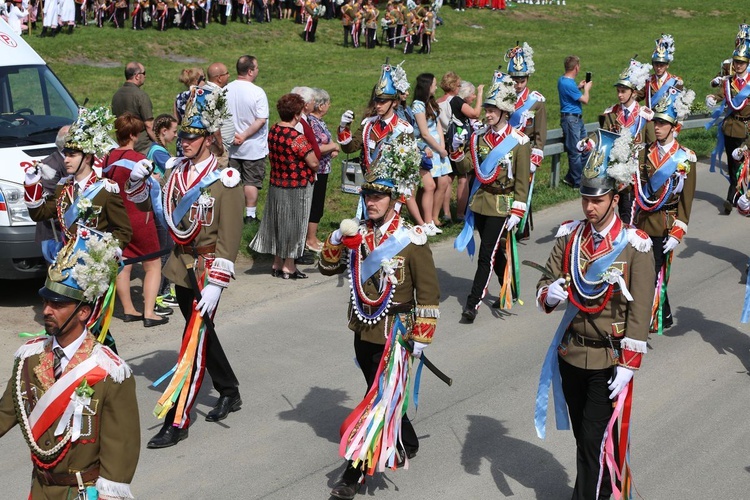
218 74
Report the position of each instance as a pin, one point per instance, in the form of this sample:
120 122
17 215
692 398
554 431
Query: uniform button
47 443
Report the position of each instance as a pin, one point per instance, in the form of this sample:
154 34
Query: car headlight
11 200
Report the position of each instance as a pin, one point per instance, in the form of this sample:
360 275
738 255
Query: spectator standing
131 98
218 77
248 105
572 97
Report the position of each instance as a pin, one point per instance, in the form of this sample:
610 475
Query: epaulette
539 96
690 153
32 347
230 177
609 110
520 136
646 113
110 186
639 239
117 369
567 227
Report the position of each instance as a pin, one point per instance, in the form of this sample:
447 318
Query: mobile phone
588 76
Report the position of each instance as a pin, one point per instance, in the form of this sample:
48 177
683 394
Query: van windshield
34 104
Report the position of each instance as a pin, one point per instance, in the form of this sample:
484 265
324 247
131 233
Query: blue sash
663 173
516 117
662 90
154 190
637 125
550 374
396 242
192 195
717 115
465 240
71 214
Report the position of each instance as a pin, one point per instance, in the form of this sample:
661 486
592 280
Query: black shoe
469 314
168 436
667 322
568 183
148 322
728 206
224 406
345 489
249 219
496 304
296 275
307 259
162 311
277 273
129 318
403 456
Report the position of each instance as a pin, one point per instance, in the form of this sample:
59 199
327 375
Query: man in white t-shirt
248 105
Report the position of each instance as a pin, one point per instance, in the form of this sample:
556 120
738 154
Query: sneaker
162 310
429 229
249 219
435 230
167 300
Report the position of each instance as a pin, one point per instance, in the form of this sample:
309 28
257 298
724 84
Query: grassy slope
604 34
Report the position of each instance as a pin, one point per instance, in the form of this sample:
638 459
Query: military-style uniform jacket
417 294
509 189
369 137
110 436
533 123
653 84
219 210
371 17
613 120
625 322
672 219
107 212
736 123
347 14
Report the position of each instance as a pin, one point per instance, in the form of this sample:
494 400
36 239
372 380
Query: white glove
336 237
619 381
716 81
585 145
459 139
739 153
417 349
33 175
140 170
556 293
209 299
670 244
711 101
537 155
118 254
346 118
743 203
512 221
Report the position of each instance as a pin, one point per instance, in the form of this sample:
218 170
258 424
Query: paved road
294 358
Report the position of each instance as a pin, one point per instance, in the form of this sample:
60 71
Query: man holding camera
572 98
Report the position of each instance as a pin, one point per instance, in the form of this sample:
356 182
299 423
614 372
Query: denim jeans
574 131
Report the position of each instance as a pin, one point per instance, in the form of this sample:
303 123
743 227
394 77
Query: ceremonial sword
442 376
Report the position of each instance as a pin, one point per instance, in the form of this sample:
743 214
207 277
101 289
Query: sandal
296 275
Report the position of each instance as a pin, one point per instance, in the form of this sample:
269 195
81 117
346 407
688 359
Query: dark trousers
217 364
491 257
730 144
590 409
371 33
347 32
426 44
659 259
310 35
390 35
368 357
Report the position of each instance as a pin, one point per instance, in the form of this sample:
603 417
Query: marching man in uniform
203 213
661 80
605 270
664 194
529 118
74 398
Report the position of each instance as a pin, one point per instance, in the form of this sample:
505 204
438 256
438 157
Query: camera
588 76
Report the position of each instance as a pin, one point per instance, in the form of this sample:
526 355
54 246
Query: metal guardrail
555 147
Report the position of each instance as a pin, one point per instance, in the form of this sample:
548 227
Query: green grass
605 34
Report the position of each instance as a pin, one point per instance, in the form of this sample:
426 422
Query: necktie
598 238
378 235
59 355
192 174
626 113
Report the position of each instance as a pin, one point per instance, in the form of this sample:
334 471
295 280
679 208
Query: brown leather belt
597 344
189 250
740 118
496 190
48 478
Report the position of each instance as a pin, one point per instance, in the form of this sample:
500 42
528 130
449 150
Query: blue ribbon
517 116
465 240
164 377
154 190
662 90
71 214
417 380
746 307
550 374
663 173
716 116
192 195
396 242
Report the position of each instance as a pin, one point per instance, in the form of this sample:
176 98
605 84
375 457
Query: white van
34 104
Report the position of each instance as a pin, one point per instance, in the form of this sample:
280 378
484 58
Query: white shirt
604 232
663 150
70 350
248 102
